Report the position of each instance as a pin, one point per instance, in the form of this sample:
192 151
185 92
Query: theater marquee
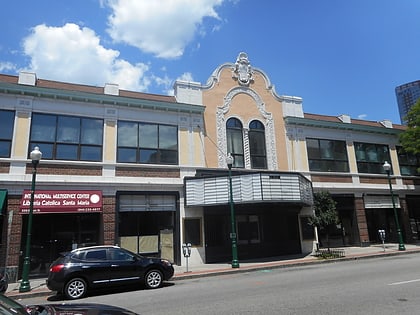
62 201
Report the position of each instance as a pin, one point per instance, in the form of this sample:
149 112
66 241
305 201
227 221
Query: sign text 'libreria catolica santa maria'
59 201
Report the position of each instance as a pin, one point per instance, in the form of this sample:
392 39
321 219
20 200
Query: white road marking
405 282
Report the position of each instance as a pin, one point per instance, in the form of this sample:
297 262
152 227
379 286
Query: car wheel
75 289
153 279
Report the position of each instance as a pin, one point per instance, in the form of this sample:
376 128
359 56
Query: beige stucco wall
110 141
243 107
22 135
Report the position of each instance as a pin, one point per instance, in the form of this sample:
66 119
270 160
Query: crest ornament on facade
243 70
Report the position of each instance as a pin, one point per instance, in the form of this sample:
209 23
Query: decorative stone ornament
243 71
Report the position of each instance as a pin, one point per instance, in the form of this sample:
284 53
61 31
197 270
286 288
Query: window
256 136
248 229
66 137
409 162
192 231
120 255
97 254
7 121
147 143
235 145
370 157
327 155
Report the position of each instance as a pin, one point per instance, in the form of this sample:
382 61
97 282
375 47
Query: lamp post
25 286
235 262
387 168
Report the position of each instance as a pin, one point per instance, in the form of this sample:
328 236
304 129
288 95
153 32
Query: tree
325 213
410 138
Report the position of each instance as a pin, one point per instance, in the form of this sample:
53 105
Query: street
386 285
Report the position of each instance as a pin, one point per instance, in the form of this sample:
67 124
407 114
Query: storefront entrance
263 230
146 224
56 233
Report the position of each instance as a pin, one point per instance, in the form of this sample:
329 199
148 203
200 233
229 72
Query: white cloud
7 66
186 76
74 54
162 28
361 116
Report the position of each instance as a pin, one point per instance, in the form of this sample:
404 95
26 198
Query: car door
125 267
96 267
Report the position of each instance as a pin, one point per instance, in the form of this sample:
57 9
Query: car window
97 254
118 254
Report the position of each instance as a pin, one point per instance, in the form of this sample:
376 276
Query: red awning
62 201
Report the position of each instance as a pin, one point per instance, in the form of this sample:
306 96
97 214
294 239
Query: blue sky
341 57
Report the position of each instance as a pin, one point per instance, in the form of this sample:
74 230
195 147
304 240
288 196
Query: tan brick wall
147 172
52 169
15 231
109 223
361 220
375 180
4 168
331 179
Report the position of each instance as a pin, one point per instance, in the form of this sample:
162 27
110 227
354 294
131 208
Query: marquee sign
62 201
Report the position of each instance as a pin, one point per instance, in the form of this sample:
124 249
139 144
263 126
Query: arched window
257 150
235 143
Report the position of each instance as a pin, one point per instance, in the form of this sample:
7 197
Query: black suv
73 273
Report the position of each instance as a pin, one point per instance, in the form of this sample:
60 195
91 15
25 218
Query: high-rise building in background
407 96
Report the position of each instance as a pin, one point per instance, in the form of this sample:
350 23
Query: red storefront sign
62 201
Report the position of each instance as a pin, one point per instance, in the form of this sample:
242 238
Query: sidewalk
38 287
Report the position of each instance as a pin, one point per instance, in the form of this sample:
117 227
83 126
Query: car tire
76 288
153 279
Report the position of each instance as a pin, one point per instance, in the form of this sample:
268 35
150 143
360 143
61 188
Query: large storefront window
147 143
147 223
67 138
256 137
327 155
56 233
235 143
409 163
7 121
370 157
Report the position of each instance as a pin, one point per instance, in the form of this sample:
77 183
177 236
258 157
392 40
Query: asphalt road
386 285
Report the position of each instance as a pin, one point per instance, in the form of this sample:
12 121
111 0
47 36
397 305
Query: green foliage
325 210
410 139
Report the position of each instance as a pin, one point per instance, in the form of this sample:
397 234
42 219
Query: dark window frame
55 147
6 132
256 137
234 131
136 152
323 159
370 157
409 163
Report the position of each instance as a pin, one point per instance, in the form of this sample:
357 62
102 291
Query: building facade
149 172
407 95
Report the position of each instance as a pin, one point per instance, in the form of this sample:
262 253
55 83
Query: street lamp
25 286
387 168
235 262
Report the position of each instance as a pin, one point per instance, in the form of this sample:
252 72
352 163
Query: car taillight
166 262
57 268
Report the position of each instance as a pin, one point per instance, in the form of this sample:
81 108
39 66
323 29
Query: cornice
307 122
79 96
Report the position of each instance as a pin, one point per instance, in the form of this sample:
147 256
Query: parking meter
382 237
186 250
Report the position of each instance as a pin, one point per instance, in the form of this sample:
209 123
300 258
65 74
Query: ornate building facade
149 172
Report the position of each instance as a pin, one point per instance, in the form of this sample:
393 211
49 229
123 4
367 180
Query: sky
340 57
